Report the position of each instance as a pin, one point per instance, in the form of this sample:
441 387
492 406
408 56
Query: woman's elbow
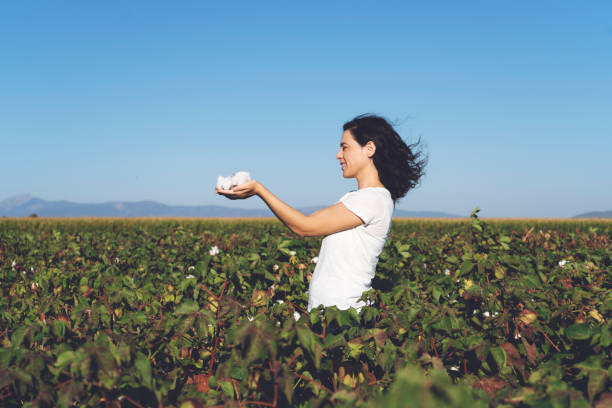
302 233
303 229
297 231
308 233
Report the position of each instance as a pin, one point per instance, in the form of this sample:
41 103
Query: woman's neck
368 178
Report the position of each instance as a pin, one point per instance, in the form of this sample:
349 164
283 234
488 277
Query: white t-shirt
347 259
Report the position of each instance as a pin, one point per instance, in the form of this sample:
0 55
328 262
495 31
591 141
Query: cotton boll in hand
240 177
237 179
224 183
219 182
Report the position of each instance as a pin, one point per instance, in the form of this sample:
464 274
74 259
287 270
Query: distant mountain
25 205
13 202
595 214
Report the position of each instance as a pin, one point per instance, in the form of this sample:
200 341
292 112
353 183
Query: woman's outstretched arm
331 219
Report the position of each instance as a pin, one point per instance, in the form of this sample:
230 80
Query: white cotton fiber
240 178
220 182
227 183
224 183
237 179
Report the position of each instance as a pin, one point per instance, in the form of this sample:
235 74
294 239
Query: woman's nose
338 156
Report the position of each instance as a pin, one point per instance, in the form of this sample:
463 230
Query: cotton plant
237 179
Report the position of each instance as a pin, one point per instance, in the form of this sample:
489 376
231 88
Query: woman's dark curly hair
399 166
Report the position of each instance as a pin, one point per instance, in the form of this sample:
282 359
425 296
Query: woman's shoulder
373 192
378 199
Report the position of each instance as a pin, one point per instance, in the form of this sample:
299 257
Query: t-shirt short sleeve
366 204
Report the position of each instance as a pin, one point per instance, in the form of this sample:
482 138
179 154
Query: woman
357 226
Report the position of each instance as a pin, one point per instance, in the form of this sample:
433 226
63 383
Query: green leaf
578 331
436 292
499 357
65 358
355 349
143 369
606 337
239 373
332 341
315 317
343 318
285 244
466 267
596 383
405 254
452 259
531 281
19 335
306 338
187 307
228 388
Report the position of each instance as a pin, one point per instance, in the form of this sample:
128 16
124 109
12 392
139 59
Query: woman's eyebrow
343 143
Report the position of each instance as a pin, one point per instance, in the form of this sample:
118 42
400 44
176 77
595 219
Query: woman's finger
231 194
238 192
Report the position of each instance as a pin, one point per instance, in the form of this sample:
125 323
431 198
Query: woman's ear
370 148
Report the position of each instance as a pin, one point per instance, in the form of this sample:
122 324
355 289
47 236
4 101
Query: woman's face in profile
353 157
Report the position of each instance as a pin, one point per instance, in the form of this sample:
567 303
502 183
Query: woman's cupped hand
242 191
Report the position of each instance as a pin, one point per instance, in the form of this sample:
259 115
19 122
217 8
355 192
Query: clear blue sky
124 101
